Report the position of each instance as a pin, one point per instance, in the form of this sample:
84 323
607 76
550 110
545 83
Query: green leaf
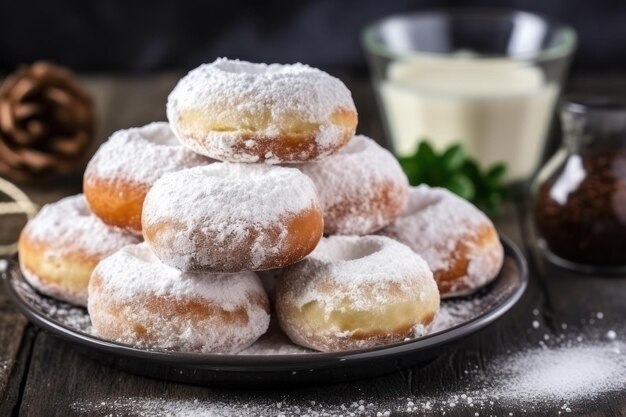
470 168
453 158
412 170
496 172
426 154
461 185
460 174
491 203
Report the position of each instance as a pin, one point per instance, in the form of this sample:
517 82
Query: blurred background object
579 202
46 122
144 36
484 78
129 55
16 209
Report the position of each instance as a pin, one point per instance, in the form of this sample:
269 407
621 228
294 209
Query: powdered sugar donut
238 111
232 217
124 168
136 299
356 292
362 188
61 245
459 243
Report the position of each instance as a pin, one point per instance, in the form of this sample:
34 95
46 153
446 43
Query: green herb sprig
454 170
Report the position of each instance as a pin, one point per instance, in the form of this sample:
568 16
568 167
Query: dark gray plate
273 360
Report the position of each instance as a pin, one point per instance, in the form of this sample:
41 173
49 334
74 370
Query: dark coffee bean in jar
580 210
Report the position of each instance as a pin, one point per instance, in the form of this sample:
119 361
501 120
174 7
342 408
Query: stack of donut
257 173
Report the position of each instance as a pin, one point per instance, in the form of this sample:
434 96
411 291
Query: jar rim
563 48
585 104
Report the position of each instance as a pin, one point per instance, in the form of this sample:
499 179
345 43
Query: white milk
499 110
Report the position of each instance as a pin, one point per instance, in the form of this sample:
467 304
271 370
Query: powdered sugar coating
142 155
373 275
362 188
134 277
434 224
226 92
230 206
68 226
62 243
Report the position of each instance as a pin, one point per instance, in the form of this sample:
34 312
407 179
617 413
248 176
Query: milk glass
488 79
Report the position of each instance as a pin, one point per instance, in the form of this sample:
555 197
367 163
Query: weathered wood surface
14 354
45 376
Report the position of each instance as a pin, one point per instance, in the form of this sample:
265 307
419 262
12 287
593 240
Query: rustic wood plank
63 382
12 341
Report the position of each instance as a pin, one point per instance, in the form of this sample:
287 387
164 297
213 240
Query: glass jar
579 202
486 78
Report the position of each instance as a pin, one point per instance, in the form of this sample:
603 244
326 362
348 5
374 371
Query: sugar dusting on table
552 377
4 368
574 363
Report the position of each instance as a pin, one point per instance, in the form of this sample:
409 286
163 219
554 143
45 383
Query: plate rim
279 362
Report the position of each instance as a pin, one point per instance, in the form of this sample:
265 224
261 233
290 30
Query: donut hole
252 68
348 250
240 67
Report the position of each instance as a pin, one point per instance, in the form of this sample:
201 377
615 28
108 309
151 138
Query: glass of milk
488 79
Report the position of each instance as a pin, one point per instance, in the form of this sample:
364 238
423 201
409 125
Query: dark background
148 36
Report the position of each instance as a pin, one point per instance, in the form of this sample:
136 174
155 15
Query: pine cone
46 122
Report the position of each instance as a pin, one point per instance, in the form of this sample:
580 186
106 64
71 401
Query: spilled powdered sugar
558 379
569 372
225 202
70 316
68 226
362 188
455 311
4 369
274 342
142 155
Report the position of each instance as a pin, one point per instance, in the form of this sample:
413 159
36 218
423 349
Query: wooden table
43 376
